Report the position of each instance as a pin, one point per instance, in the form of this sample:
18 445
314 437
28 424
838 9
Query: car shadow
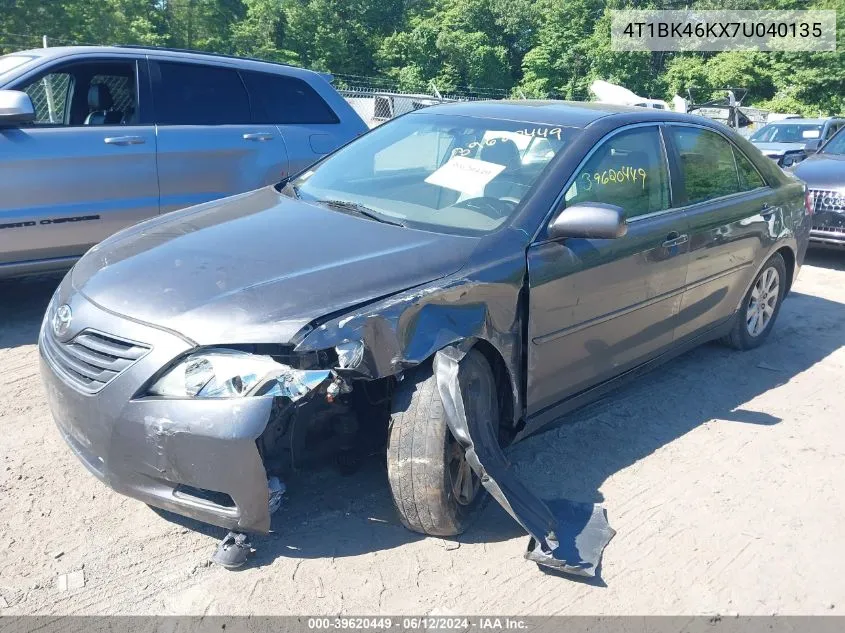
22 305
831 258
327 515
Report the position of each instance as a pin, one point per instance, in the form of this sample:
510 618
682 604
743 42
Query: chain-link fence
378 106
377 100
49 97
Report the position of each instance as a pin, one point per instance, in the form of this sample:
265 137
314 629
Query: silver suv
785 141
94 139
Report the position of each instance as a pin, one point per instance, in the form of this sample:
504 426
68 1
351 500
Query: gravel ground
722 473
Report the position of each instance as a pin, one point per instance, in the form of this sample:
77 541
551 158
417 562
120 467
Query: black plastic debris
232 551
565 535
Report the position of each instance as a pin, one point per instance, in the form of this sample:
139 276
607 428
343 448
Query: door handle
124 140
258 136
675 239
766 211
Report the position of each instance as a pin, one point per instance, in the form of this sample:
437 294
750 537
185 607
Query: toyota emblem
61 319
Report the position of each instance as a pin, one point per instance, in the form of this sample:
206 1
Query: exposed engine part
337 387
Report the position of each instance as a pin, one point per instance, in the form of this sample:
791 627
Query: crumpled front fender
407 329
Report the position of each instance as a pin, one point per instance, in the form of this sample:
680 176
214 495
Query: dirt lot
722 473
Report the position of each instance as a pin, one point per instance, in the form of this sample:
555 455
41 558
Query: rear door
208 146
733 217
599 307
310 127
87 166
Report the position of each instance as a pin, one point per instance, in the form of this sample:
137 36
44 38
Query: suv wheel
434 488
760 307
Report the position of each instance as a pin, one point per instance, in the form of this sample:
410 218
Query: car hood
778 148
258 267
822 171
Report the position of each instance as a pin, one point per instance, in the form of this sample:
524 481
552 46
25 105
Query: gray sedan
455 279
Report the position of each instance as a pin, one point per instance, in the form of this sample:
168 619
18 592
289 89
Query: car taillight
808 202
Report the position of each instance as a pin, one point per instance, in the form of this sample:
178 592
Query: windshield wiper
360 209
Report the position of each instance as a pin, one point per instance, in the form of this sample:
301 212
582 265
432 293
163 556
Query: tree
261 33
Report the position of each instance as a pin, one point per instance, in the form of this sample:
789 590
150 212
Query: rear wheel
434 488
760 307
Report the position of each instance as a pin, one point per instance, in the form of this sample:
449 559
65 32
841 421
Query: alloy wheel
763 301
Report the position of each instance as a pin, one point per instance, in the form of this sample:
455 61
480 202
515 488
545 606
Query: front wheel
434 488
761 306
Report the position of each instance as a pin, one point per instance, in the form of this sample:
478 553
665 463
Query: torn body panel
565 535
408 328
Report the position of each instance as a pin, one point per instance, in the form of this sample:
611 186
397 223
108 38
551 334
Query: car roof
56 52
563 113
810 121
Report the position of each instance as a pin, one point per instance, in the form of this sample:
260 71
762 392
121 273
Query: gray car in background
784 141
824 174
95 139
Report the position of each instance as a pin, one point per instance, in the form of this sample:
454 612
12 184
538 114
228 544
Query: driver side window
628 170
49 97
85 93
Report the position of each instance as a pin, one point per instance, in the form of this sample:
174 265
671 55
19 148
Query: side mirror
812 147
591 220
15 108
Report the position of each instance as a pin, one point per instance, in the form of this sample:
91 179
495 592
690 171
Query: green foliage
533 48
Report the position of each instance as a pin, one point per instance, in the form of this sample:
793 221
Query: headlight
222 373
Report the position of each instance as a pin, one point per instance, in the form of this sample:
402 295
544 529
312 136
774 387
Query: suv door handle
124 140
675 239
766 211
258 136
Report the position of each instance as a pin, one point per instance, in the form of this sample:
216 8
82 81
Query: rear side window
285 100
192 94
628 170
707 164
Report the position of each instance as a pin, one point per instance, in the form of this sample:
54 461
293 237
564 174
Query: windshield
8 62
437 172
836 145
788 133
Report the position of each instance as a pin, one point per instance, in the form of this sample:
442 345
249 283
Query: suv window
749 177
49 97
628 170
707 163
285 100
86 93
193 94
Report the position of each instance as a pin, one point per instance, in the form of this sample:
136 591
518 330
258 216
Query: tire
741 336
424 461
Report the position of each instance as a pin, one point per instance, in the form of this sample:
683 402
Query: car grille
90 360
825 201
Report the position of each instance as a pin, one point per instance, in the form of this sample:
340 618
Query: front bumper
828 218
194 457
828 236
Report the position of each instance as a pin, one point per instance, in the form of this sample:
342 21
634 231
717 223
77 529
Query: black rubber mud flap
565 535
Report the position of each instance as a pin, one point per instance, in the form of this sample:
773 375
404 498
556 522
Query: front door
598 307
208 147
85 169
